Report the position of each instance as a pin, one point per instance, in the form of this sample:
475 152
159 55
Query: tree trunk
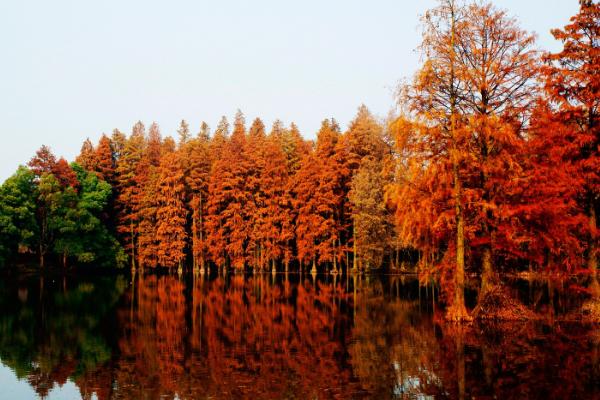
355 249
347 261
488 277
592 255
43 242
334 270
458 310
132 246
194 242
41 256
201 236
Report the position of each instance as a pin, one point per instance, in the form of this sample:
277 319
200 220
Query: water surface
277 337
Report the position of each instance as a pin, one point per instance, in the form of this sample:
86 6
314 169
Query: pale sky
75 69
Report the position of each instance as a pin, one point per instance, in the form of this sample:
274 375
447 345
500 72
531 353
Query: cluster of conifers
493 160
248 198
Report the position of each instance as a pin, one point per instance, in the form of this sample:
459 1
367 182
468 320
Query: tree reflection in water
278 337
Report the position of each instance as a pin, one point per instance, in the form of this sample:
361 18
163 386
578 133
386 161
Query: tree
497 67
255 157
219 139
293 145
304 194
18 225
371 218
183 132
546 217
117 140
87 156
572 87
76 227
363 144
65 174
198 164
319 194
43 162
98 243
204 132
127 202
227 222
146 180
171 213
105 166
148 221
431 147
274 209
48 202
469 102
154 147
364 140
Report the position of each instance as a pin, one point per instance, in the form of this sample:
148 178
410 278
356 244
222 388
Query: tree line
490 165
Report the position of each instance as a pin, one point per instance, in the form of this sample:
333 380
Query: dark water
277 337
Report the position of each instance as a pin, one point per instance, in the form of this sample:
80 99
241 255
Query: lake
279 337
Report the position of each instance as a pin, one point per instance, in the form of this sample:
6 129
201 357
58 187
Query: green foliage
80 232
18 226
41 215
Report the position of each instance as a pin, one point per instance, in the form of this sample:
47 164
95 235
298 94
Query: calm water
282 337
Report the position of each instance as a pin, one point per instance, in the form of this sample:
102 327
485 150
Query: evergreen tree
105 166
87 156
127 202
184 133
171 212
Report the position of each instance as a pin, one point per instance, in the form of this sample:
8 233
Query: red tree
573 87
171 213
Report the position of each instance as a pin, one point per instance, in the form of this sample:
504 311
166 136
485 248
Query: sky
76 69
15 388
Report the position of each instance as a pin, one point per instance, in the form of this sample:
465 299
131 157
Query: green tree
18 225
74 224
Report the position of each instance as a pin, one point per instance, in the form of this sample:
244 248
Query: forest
490 165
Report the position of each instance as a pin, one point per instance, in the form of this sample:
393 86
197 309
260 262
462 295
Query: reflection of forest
399 351
51 330
238 338
274 337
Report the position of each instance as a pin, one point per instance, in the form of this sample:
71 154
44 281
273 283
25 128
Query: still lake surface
278 337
